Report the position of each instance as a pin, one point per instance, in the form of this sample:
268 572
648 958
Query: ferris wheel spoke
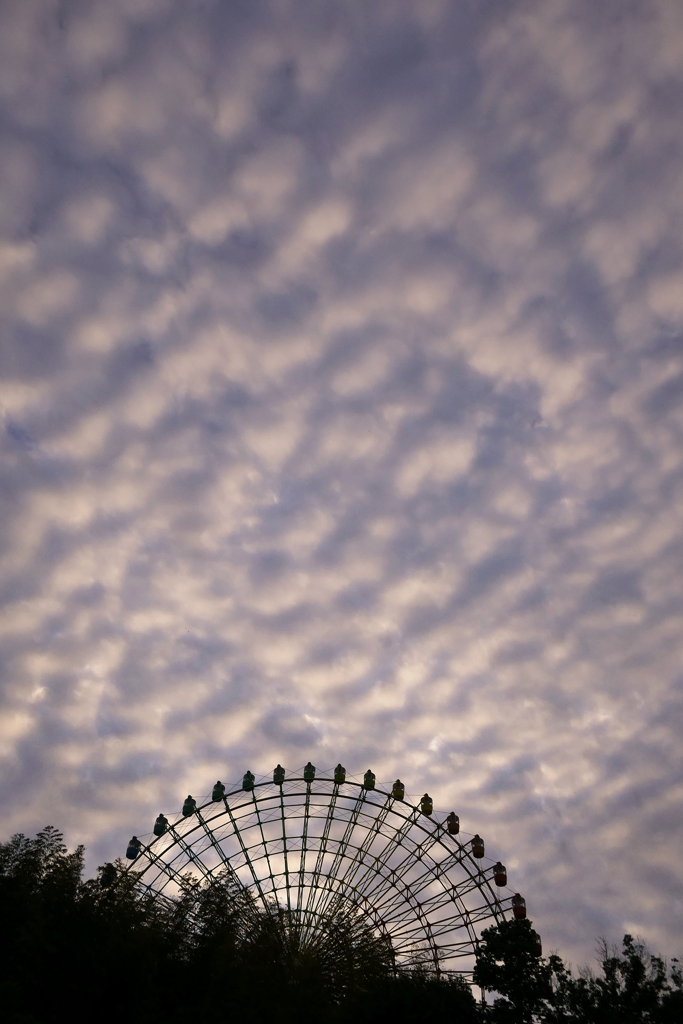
441 902
404 915
387 906
407 928
193 857
165 868
396 875
264 841
413 854
445 928
247 858
158 894
421 932
373 830
473 880
284 853
304 843
395 840
417 886
393 877
385 885
406 898
234 877
481 913
389 911
322 849
342 845
345 889
353 898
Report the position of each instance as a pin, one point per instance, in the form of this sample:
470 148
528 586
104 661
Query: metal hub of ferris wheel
310 844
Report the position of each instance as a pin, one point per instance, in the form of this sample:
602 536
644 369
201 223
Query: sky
341 419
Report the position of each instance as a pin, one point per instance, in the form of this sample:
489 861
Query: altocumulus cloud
341 384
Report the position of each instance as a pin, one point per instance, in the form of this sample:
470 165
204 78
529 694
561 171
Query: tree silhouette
635 986
107 950
509 963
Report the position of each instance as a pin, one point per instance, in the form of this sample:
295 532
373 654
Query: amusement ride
310 844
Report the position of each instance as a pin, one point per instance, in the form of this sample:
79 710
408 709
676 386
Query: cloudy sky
341 411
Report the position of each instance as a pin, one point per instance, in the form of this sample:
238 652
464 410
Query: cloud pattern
341 385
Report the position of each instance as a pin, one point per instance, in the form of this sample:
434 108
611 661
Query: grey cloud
666 398
288 726
340 377
615 588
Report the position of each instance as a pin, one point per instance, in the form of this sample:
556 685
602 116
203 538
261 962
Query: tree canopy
106 949
633 985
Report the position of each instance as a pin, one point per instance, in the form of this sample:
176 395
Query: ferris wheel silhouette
311 844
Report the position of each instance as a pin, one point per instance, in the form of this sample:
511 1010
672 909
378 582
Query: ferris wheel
313 843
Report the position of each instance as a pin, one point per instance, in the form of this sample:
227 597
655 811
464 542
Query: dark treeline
102 950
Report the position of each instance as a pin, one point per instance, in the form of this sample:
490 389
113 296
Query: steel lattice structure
312 846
